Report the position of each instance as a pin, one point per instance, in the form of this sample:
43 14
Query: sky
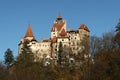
100 16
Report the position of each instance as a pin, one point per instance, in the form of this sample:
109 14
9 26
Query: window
75 37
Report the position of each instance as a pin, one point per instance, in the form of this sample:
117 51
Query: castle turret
58 26
29 37
84 27
83 31
29 34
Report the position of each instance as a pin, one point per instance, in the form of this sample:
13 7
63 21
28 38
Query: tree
106 60
86 57
118 26
9 58
23 65
95 44
107 41
3 72
60 53
117 36
26 56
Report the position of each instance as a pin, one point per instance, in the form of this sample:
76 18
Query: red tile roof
27 40
82 26
46 40
54 40
29 32
59 17
63 33
58 26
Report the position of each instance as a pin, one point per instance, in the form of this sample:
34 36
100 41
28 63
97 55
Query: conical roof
29 32
59 16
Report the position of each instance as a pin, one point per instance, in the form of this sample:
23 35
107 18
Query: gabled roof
63 33
82 26
29 32
57 26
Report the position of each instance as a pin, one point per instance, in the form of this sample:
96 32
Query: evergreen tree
9 58
118 26
26 56
117 36
60 53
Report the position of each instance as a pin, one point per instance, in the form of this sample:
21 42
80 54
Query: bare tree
94 44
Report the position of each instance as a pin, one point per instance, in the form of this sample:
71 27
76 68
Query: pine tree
60 53
118 26
26 56
117 36
9 58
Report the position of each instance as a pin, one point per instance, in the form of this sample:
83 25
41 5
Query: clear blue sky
99 15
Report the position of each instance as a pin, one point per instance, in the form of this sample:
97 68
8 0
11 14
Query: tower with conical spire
29 32
29 37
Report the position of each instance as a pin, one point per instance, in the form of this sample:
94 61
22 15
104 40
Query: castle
70 39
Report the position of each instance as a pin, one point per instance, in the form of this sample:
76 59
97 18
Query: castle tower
83 31
29 37
58 26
